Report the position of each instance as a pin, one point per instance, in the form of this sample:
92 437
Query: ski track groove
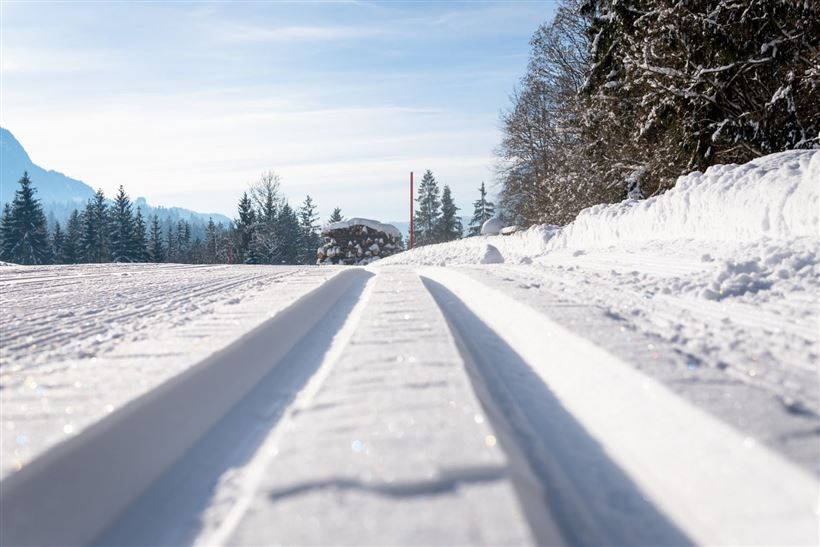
711 315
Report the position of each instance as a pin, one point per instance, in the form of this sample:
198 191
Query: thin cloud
241 34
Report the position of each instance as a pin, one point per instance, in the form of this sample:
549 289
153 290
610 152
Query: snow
388 229
514 248
664 444
81 341
720 273
491 227
644 375
379 439
775 196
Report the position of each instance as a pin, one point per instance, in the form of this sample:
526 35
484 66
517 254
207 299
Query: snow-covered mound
492 227
514 248
773 198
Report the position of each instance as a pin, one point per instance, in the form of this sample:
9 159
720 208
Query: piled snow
388 229
492 227
774 197
515 248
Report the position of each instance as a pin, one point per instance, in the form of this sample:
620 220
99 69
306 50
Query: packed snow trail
78 342
392 440
665 445
428 407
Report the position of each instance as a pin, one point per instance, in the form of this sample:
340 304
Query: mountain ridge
59 193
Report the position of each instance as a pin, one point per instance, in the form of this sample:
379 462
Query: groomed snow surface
647 375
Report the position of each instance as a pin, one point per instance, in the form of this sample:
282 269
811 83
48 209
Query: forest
621 97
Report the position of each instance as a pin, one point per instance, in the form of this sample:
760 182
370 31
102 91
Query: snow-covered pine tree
677 86
140 238
25 239
71 242
156 253
309 238
57 243
483 211
95 238
122 229
335 216
449 226
428 210
245 226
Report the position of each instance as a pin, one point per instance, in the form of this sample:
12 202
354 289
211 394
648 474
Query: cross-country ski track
387 405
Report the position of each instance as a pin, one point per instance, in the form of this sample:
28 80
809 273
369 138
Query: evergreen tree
72 249
428 211
310 239
155 251
57 243
449 225
211 242
6 231
287 229
677 86
335 216
123 243
170 242
140 238
95 240
483 211
198 251
251 257
245 226
25 232
183 247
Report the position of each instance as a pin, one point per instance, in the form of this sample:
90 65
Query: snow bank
514 248
774 197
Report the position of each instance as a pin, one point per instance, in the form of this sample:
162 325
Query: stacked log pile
358 241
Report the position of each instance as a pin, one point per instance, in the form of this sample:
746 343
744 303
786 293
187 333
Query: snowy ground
607 383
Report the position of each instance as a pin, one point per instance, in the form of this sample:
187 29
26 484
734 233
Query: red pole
411 211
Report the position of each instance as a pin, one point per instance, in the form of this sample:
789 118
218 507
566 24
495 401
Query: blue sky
187 103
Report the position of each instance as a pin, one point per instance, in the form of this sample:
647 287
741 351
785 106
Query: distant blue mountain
61 194
51 185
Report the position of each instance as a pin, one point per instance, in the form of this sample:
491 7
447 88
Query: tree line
267 231
436 214
621 97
